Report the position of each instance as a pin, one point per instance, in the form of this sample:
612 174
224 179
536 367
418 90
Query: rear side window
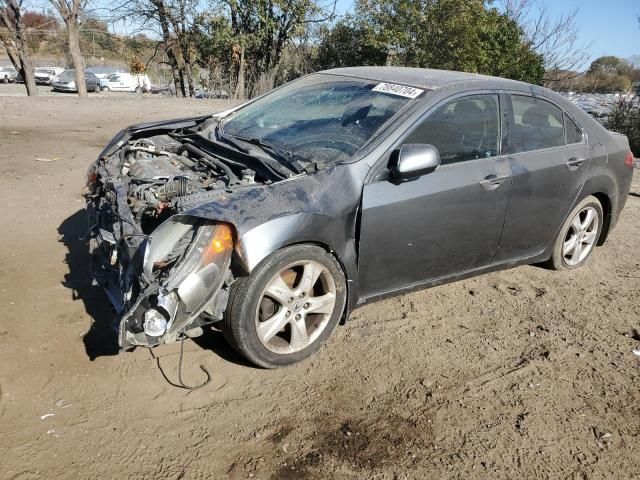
573 132
538 125
466 128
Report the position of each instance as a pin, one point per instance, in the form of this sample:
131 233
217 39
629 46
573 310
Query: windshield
67 75
320 118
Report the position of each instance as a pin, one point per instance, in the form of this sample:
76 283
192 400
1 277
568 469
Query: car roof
426 78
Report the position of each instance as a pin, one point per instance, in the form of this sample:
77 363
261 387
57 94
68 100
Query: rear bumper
64 88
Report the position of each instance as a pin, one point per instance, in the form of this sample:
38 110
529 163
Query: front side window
537 124
466 128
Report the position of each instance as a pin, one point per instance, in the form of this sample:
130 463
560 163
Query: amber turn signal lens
222 240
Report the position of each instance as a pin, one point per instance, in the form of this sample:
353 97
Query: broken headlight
203 265
194 277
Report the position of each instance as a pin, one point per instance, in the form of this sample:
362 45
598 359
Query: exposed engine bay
164 176
168 274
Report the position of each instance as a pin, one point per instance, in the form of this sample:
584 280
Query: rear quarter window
573 132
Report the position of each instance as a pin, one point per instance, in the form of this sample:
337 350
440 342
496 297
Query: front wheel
287 308
578 236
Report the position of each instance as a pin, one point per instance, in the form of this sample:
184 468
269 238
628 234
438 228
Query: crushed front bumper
187 300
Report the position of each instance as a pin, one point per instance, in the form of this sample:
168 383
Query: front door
445 222
550 162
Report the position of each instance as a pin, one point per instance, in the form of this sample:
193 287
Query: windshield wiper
274 167
276 152
280 154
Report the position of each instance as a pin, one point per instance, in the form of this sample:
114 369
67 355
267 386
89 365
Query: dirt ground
524 373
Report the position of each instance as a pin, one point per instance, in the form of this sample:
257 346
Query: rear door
550 159
445 222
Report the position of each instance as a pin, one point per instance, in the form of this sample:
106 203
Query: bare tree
70 12
554 38
14 41
172 21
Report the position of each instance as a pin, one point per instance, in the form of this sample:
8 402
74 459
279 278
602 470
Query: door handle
574 163
491 182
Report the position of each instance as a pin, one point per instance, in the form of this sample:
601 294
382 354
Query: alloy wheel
581 236
295 307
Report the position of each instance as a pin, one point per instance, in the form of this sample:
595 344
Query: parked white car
46 75
8 74
126 82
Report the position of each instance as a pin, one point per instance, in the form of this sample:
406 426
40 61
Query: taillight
628 161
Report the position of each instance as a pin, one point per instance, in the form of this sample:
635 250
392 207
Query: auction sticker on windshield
395 89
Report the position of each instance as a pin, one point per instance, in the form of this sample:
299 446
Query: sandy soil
524 373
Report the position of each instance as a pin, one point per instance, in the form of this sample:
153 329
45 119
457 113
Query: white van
126 82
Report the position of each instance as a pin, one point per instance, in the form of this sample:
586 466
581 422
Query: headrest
536 116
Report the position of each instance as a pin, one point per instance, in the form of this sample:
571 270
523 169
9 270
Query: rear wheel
287 308
578 236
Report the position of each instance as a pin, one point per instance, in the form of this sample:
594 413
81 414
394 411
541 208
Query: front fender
321 208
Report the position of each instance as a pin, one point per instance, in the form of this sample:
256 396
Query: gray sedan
66 82
274 220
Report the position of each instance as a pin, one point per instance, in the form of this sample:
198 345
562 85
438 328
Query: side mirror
413 160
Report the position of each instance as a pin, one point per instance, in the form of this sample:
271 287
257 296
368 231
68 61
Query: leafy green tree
446 34
264 29
625 119
345 45
610 65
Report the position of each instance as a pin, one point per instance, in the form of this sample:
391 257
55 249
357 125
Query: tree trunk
15 43
240 85
189 78
168 46
28 74
76 55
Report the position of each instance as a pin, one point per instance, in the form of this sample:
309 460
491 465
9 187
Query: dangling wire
180 383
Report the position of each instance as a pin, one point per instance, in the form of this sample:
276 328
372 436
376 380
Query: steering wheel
473 143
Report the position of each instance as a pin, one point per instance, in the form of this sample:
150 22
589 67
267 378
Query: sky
611 27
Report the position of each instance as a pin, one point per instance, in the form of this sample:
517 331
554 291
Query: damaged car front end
180 211
165 272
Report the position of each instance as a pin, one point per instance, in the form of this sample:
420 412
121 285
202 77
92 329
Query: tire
138 90
5 80
251 305
566 258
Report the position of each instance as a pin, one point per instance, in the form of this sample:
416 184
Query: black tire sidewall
558 258
239 326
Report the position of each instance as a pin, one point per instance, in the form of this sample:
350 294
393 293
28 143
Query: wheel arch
350 277
255 245
605 202
605 188
341 255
